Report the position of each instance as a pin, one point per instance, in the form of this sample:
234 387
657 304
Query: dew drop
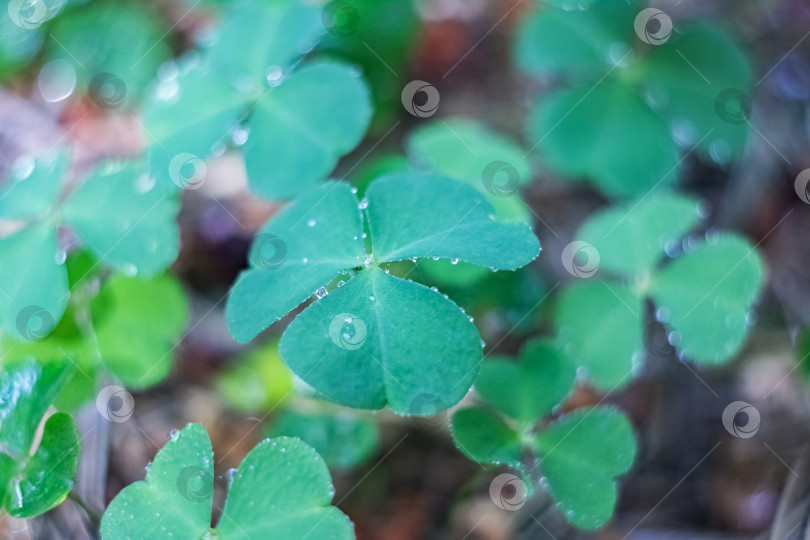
218 149
167 90
239 136
56 81
363 204
674 338
144 183
275 76
168 71
23 167
311 223
453 261
60 256
320 293
173 434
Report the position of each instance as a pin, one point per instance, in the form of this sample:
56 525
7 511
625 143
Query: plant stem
92 515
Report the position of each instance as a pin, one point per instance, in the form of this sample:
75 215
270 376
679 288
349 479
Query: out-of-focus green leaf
34 282
698 81
578 42
703 297
124 221
120 44
300 129
135 322
528 389
706 296
631 238
465 150
605 134
138 323
343 438
599 326
284 30
293 124
378 36
258 382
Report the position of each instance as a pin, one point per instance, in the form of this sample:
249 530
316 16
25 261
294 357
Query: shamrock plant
282 489
113 47
703 296
115 212
96 332
34 477
578 454
375 339
638 92
468 151
292 123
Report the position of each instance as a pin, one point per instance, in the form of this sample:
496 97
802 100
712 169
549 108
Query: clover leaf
116 213
377 339
293 124
578 453
34 479
635 97
465 150
702 297
98 335
343 438
258 381
282 489
115 49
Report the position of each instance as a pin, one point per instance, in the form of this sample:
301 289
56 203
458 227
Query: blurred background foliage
508 73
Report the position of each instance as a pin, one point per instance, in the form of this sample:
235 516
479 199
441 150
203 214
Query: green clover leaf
578 454
633 100
292 127
343 438
31 484
376 339
115 50
282 489
703 296
116 212
153 309
465 150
